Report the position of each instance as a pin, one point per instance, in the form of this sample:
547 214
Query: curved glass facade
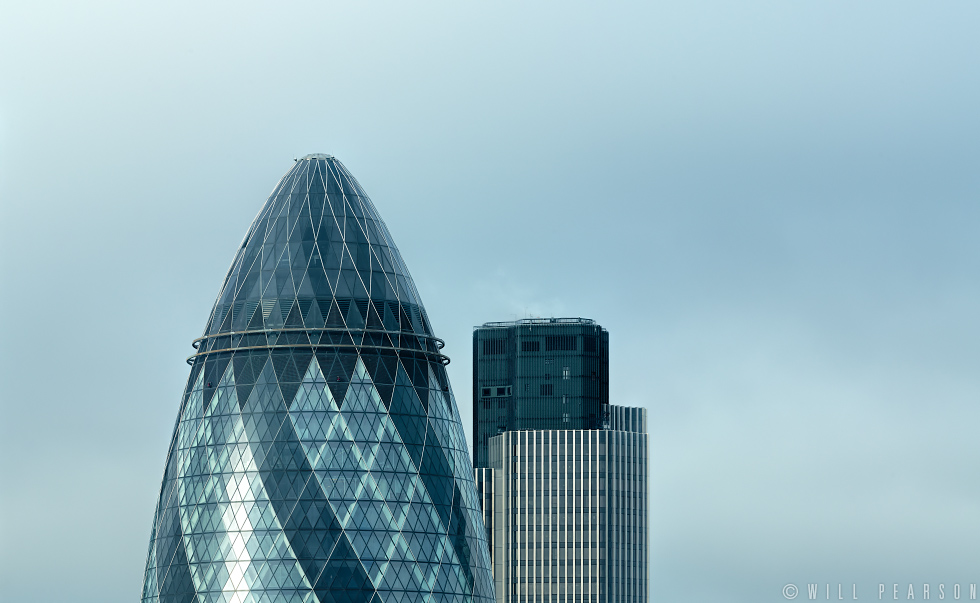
318 455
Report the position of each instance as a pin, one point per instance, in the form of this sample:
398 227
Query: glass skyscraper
566 512
538 373
561 473
318 455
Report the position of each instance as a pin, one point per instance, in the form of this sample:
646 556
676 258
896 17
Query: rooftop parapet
536 321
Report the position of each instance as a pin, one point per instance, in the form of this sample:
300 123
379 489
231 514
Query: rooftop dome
318 455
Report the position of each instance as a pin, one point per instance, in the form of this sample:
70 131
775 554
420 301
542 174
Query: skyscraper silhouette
318 454
561 473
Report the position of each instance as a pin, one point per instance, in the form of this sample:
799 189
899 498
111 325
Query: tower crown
318 261
318 455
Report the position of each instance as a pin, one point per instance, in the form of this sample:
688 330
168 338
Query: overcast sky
772 206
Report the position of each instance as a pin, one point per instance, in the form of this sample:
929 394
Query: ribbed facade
318 455
485 492
567 511
538 373
627 418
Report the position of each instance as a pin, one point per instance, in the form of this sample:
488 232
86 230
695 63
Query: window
562 343
494 392
547 389
530 346
494 346
588 343
566 372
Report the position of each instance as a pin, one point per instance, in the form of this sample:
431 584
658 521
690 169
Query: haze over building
318 454
561 473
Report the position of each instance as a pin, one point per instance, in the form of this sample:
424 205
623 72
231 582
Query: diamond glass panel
318 454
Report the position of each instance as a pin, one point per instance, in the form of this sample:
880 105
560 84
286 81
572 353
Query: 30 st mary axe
318 455
562 474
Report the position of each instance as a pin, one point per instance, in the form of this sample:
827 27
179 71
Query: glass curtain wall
318 454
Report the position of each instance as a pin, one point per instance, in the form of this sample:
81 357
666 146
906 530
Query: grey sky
772 208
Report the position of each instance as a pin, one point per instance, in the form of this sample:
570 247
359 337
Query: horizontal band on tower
196 344
440 358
